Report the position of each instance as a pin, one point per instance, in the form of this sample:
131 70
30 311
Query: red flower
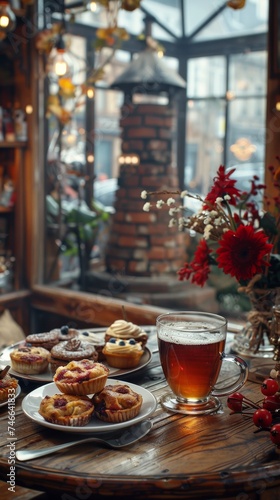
241 253
198 270
223 185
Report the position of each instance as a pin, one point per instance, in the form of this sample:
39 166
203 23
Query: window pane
247 73
204 148
246 131
229 23
206 77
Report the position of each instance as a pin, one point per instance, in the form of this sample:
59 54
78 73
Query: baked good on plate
66 409
117 403
66 333
71 350
30 360
46 340
96 339
81 377
123 353
126 330
8 384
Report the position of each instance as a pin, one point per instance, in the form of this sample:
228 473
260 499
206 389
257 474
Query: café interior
69 246
100 102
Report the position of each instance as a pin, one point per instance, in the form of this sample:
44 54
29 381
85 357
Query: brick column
140 243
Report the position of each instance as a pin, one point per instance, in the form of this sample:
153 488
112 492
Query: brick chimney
141 243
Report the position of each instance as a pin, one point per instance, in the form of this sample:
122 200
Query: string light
61 64
7 19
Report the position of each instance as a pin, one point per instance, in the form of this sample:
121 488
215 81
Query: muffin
66 409
117 403
123 353
126 330
30 360
8 384
66 333
46 340
73 350
81 377
98 340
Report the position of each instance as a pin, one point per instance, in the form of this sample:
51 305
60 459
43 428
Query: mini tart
66 409
71 350
7 384
81 377
30 360
126 330
66 333
95 339
123 353
117 403
46 340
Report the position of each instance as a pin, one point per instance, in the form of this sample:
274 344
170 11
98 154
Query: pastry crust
123 353
30 360
81 377
117 403
126 330
66 409
65 333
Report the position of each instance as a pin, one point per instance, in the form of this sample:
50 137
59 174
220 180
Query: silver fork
129 436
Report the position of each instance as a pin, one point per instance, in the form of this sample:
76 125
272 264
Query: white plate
48 376
17 393
31 404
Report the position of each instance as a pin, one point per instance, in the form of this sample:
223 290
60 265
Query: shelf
13 144
6 210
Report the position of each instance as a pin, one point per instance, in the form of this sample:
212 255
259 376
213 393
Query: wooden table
209 457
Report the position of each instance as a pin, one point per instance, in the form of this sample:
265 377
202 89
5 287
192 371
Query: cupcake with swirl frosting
126 330
123 353
71 350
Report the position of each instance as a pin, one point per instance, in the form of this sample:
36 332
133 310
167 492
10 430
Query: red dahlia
198 270
223 185
241 253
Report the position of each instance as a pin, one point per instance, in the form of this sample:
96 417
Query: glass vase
254 339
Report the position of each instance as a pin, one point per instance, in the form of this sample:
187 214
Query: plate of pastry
93 413
49 350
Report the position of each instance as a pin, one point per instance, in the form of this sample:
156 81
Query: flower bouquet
239 237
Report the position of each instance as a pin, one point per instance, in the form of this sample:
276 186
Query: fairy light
7 19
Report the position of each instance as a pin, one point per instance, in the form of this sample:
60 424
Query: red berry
269 387
262 418
272 403
235 401
275 434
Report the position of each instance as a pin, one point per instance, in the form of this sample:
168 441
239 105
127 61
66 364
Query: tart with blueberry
123 353
81 377
117 403
66 409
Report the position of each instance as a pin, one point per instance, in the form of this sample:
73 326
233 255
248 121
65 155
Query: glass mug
191 349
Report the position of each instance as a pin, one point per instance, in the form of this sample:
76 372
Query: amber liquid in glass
191 369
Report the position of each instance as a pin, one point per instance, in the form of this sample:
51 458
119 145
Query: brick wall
140 243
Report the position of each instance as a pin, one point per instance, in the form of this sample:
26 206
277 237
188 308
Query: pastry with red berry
8 384
30 360
117 403
81 377
66 409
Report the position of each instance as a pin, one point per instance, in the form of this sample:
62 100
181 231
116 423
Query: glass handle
234 386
